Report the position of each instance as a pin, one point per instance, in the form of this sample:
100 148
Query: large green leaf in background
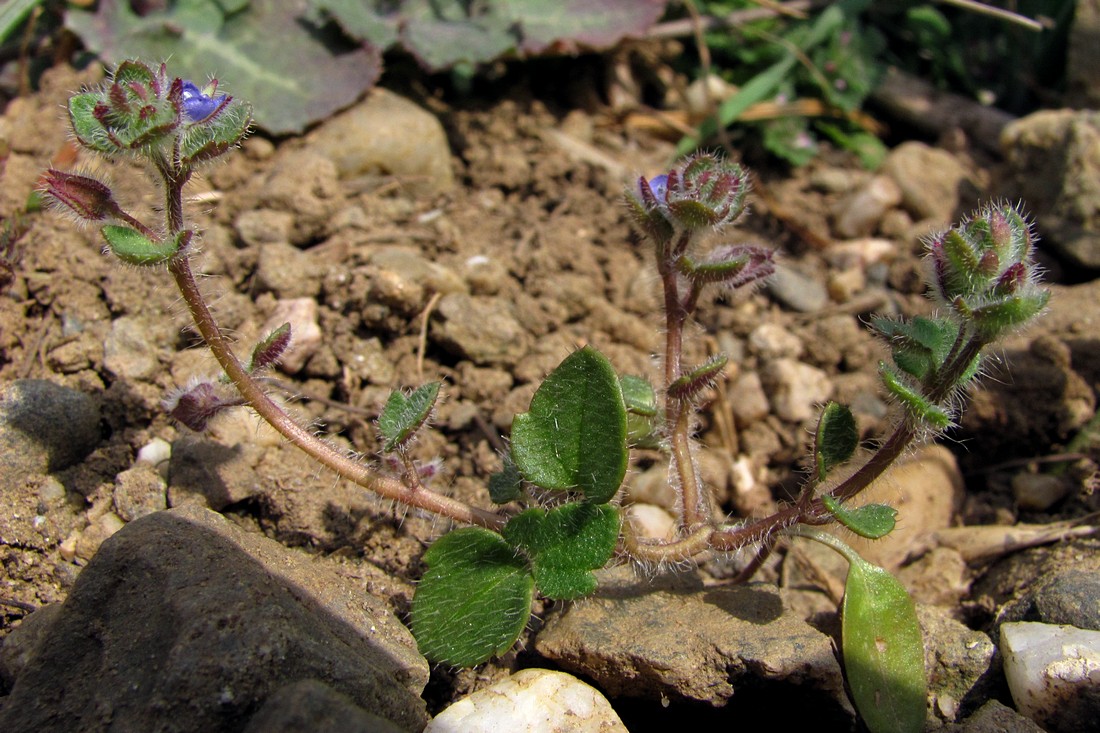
265 52
442 33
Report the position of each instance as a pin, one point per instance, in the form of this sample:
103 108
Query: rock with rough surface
390 135
1053 673
682 641
44 427
929 179
184 622
796 390
315 707
531 701
481 329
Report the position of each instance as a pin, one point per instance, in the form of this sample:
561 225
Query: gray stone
481 329
133 346
263 226
306 185
995 717
309 705
185 622
44 427
390 135
797 291
957 663
22 643
213 474
1070 595
1055 160
929 179
287 271
795 389
139 490
681 641
858 214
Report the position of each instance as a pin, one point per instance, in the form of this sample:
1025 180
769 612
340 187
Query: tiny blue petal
196 105
659 186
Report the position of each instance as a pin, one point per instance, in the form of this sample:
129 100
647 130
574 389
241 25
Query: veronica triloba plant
563 472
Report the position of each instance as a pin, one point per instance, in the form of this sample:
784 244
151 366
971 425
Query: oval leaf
565 544
475 599
872 521
402 416
883 650
837 438
574 436
134 248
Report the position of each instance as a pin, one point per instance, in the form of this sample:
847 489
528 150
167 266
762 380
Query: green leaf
88 130
506 485
565 544
883 650
698 379
474 600
291 71
639 397
134 248
872 521
574 436
916 404
837 438
13 13
402 416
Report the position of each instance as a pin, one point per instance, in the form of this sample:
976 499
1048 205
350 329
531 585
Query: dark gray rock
185 622
995 717
1070 596
44 427
313 706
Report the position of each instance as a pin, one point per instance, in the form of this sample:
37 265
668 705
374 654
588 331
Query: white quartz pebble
531 701
1053 672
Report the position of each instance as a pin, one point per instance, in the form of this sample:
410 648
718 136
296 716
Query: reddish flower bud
86 197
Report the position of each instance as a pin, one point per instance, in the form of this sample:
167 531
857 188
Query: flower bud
89 199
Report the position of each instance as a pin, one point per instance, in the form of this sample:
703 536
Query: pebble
44 427
1053 672
772 341
157 452
651 521
479 328
1071 596
747 399
287 271
130 350
88 544
258 227
958 660
926 196
859 214
861 252
388 134
1038 491
139 490
796 390
797 291
531 701
306 185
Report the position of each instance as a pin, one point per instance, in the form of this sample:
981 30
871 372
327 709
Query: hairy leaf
506 486
565 544
402 416
837 438
271 349
698 379
134 248
574 436
293 73
883 650
474 600
872 521
916 404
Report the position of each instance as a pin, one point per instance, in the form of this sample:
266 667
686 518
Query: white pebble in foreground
531 701
1053 673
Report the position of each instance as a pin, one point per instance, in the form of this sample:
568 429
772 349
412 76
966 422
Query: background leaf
475 599
565 544
293 73
574 436
883 650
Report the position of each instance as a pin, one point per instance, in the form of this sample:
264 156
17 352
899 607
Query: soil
556 252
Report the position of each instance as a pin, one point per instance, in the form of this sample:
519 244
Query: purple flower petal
196 105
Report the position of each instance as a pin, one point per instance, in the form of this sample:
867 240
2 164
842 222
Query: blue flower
659 186
197 104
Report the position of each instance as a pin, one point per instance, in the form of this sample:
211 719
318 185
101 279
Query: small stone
797 291
387 134
651 521
1069 597
861 252
846 284
957 662
303 315
772 341
929 180
400 278
795 389
531 701
157 453
859 214
1038 491
1053 673
747 399
44 427
287 271
651 488
995 717
304 184
214 475
96 533
481 329
131 350
258 227
139 491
